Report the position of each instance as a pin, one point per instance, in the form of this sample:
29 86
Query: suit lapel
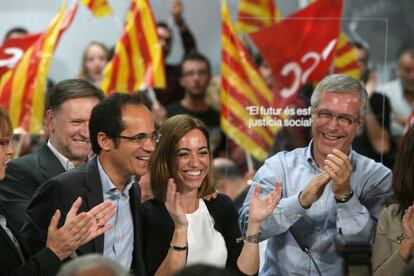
6 238
135 203
49 164
95 197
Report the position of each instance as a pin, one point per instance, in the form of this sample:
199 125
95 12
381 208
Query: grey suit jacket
60 192
386 259
23 176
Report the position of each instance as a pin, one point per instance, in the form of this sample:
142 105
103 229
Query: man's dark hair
19 30
195 56
164 25
70 89
106 116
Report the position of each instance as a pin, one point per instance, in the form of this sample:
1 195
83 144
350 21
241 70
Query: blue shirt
321 224
119 240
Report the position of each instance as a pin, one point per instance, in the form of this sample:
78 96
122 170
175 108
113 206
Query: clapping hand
407 245
173 204
260 208
339 168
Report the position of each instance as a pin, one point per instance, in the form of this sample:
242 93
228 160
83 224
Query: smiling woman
174 221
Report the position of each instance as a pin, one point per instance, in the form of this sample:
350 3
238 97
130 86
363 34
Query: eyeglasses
342 119
141 138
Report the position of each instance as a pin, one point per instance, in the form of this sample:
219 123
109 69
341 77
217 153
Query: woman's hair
83 73
6 128
403 174
172 130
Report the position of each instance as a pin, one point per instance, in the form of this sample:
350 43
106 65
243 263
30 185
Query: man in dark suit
123 136
15 257
69 107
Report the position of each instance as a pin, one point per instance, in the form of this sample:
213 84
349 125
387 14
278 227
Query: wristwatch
345 197
255 238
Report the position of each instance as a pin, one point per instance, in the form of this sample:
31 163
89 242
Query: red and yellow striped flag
137 62
346 59
99 8
256 14
244 95
22 88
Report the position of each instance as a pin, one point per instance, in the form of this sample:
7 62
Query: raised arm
177 254
260 208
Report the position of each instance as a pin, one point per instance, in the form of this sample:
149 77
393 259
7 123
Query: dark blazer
60 192
23 176
159 229
45 262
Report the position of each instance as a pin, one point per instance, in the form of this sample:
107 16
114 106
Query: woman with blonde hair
180 227
94 58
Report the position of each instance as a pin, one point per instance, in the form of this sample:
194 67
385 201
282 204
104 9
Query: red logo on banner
300 48
13 49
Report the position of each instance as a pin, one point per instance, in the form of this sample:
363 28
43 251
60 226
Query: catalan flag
346 59
22 88
137 62
244 96
256 14
99 8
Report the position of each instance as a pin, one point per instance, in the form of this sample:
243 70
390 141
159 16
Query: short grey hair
91 261
339 83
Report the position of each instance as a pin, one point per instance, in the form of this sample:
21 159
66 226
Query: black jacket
159 229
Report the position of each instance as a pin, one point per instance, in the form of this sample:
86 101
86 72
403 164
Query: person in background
394 239
94 59
195 77
374 138
230 180
174 91
78 228
180 228
401 90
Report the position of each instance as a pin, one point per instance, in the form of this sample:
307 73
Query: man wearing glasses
123 136
329 190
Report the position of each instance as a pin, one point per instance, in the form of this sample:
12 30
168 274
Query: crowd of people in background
136 184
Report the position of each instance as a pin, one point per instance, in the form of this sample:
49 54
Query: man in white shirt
401 91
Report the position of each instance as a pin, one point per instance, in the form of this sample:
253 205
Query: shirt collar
108 187
66 163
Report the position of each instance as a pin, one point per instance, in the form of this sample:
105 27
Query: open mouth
144 158
193 173
81 141
331 137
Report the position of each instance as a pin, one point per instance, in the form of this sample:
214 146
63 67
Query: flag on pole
22 89
137 62
306 51
346 59
12 50
99 8
245 97
256 14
